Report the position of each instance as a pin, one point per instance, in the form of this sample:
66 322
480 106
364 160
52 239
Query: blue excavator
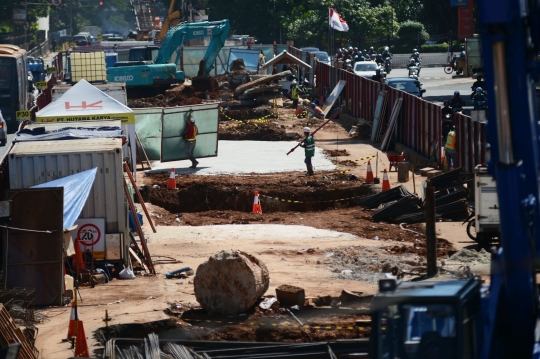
469 318
151 77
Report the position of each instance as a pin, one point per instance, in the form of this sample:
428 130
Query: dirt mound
471 257
336 153
168 100
252 131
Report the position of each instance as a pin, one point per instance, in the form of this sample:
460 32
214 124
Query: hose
409 230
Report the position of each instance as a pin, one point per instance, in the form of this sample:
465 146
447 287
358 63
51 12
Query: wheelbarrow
394 158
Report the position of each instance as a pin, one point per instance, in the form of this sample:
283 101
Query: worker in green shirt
309 147
294 94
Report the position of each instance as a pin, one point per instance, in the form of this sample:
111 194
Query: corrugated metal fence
419 125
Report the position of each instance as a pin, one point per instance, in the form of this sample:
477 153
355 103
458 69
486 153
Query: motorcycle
452 66
387 64
413 72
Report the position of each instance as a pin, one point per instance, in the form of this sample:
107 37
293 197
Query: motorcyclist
478 83
414 51
377 77
479 99
372 50
412 63
379 60
447 120
457 102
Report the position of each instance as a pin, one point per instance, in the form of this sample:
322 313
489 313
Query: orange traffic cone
81 347
369 175
73 319
172 180
257 204
385 182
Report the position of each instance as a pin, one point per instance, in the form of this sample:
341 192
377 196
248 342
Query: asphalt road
440 86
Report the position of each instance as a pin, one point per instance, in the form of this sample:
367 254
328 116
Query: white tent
84 102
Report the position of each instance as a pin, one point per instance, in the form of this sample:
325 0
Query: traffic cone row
369 175
171 184
385 182
257 204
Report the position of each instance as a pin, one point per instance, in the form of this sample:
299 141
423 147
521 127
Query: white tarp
85 102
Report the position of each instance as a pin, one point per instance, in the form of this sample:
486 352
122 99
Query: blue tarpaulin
76 190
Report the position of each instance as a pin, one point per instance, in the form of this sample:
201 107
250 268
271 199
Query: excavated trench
279 192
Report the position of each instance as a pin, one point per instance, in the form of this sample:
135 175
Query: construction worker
294 94
316 111
309 147
191 138
302 108
450 149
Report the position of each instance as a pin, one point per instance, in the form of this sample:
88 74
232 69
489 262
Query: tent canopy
85 102
285 59
76 190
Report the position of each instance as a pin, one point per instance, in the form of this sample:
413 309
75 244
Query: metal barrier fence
420 121
44 98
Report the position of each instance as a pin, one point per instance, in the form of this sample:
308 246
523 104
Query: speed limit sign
56 2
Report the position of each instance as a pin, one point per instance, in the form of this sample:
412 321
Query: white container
68 282
486 207
33 163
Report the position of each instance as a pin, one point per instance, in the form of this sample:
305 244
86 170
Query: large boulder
230 282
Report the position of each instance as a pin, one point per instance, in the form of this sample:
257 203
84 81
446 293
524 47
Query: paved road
440 86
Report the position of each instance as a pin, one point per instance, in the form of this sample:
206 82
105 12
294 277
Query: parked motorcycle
449 67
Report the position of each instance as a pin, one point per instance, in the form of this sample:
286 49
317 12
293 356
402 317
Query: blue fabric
76 190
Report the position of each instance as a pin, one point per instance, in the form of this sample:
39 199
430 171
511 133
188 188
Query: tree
412 32
439 17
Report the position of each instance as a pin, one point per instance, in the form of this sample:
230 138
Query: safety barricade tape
256 120
310 202
274 324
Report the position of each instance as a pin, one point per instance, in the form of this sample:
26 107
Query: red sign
88 234
466 20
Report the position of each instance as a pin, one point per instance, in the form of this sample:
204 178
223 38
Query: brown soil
262 131
336 153
168 100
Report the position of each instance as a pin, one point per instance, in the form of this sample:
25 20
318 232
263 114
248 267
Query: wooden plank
10 333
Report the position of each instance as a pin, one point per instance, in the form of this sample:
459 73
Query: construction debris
10 333
289 295
230 282
393 194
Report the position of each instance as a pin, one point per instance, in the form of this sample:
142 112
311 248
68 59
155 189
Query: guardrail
419 124
40 49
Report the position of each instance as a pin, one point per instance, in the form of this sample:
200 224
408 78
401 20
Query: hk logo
84 105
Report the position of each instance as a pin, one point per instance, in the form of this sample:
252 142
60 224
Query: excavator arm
172 44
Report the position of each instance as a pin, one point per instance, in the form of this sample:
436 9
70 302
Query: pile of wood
262 90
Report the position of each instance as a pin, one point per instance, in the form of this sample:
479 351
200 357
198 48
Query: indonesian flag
336 22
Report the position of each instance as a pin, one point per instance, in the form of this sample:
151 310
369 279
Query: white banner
336 22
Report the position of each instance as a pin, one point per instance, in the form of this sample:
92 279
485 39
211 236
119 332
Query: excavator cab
425 320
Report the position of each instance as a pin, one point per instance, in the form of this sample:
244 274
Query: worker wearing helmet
447 120
294 94
457 101
308 144
191 139
478 83
301 109
316 111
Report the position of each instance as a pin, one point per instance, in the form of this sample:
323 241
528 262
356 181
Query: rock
289 295
230 282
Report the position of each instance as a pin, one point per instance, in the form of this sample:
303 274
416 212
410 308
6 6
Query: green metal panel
148 126
175 125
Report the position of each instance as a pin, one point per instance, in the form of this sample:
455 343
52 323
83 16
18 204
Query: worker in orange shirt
191 139
316 111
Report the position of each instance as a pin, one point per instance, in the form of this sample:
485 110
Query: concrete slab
244 157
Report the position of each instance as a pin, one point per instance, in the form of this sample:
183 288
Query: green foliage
411 30
439 17
434 48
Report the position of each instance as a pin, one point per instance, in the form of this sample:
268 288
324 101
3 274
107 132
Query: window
365 67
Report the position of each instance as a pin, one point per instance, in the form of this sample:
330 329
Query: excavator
147 78
471 318
186 14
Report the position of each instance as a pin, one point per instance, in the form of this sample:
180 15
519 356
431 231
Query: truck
471 318
14 85
151 77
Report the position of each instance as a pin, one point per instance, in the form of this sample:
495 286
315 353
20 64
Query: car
81 40
3 130
322 56
365 68
407 84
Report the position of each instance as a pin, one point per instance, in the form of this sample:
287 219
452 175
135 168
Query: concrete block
289 295
433 173
424 171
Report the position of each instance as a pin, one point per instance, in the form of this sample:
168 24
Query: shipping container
37 162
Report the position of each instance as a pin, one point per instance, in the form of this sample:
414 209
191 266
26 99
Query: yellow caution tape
311 202
275 324
257 120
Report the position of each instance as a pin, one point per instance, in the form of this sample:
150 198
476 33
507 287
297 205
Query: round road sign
56 2
88 235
